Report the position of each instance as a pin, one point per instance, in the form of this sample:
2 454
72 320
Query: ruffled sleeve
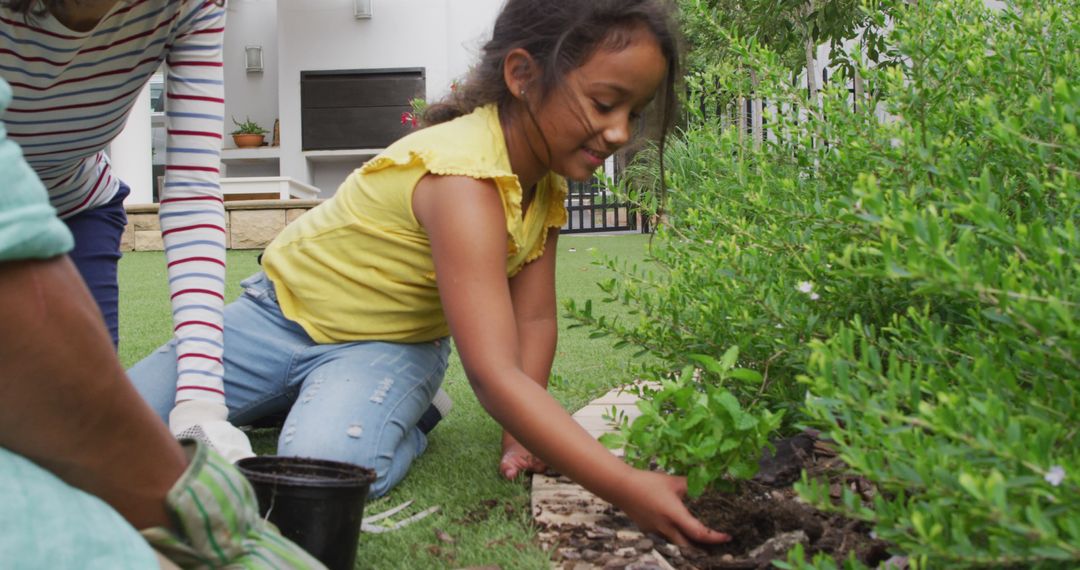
554 217
556 214
435 163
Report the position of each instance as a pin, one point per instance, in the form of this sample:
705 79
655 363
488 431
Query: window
157 93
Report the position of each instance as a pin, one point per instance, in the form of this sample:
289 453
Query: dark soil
763 516
765 519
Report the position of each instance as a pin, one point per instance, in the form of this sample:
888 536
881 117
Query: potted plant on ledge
248 134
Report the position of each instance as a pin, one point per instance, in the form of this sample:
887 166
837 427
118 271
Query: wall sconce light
253 60
363 9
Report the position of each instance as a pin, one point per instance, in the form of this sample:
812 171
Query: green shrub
964 409
903 274
698 429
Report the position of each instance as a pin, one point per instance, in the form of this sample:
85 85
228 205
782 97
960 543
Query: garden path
583 531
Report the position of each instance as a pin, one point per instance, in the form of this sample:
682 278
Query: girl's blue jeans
357 402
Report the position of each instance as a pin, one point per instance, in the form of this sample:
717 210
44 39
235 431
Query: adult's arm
192 209
65 402
465 223
193 227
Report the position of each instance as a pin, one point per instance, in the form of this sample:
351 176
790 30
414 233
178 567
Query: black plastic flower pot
316 503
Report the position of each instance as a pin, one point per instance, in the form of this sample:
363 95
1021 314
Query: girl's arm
532 292
466 226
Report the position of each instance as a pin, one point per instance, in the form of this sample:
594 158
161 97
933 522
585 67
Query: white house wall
254 95
441 36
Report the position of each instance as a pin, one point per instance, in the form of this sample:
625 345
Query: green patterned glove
215 510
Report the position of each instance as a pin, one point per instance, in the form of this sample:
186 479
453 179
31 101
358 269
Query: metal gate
591 207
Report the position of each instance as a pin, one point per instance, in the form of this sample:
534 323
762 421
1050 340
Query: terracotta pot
248 140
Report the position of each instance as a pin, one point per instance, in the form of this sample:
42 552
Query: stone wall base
249 224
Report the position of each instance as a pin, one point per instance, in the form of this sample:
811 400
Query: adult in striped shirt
76 68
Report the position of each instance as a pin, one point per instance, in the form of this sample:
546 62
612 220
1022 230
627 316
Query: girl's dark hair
561 35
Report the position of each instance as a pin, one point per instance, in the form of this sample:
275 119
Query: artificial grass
487 517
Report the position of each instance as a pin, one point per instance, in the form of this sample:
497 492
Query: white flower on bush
1055 475
808 288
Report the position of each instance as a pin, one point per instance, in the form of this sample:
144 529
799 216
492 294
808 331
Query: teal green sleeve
46 523
29 228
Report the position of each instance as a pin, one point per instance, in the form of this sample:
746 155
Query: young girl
76 67
452 232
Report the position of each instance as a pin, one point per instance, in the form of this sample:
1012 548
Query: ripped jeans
357 402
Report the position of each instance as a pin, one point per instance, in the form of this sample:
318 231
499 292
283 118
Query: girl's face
588 118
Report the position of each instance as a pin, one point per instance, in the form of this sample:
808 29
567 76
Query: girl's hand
654 502
516 459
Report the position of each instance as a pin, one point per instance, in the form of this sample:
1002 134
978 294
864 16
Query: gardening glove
208 422
216 516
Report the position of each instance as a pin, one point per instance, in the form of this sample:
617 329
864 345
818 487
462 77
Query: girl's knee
389 471
154 378
358 444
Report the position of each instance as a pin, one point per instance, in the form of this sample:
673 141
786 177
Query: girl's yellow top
359 266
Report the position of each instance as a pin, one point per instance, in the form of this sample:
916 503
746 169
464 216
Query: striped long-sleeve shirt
72 94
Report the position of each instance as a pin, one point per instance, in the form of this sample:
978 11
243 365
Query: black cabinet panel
356 108
360 127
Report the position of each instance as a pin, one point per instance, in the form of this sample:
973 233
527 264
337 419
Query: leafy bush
698 429
964 409
902 272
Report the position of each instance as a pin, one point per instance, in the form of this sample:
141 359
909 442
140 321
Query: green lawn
487 517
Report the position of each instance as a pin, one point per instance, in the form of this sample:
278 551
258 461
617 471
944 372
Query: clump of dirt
766 519
766 523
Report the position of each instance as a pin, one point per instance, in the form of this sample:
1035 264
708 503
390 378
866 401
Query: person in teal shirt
83 461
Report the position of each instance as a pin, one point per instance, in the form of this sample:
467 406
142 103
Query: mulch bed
764 517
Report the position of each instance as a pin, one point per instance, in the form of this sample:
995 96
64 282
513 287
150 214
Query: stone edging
249 224
561 506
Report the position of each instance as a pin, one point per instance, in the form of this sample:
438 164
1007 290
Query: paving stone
292 214
127 239
144 222
254 229
629 535
558 502
148 240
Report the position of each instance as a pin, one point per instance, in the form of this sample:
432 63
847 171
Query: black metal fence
591 207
